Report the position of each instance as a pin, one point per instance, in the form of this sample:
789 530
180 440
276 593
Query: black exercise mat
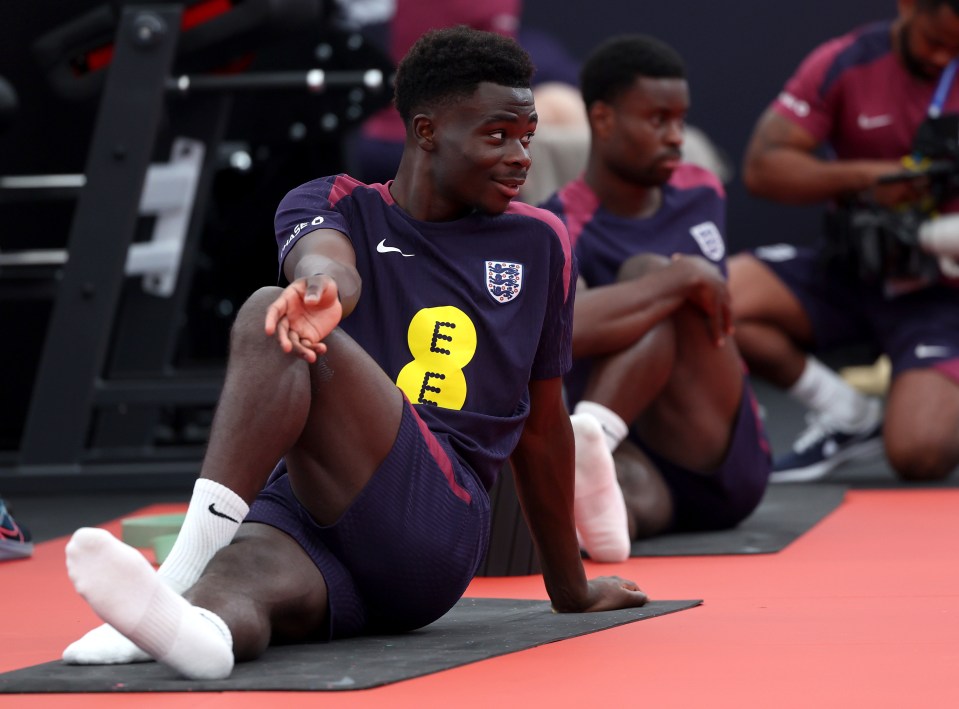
475 629
785 513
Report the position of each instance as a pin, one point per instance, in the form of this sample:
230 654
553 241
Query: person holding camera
863 124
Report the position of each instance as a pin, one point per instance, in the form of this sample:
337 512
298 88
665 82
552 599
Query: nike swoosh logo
11 533
214 510
384 249
873 122
927 351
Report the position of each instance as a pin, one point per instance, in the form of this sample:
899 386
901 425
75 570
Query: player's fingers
304 348
283 335
274 313
727 319
716 326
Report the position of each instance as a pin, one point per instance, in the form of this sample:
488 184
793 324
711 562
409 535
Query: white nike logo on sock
217 512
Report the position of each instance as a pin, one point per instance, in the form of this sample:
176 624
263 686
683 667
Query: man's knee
640 265
256 305
922 456
251 318
745 276
921 429
758 293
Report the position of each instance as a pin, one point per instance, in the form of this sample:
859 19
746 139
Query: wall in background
738 55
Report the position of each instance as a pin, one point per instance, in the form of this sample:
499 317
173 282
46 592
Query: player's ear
423 131
600 116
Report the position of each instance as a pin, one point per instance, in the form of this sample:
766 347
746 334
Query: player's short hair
448 64
614 65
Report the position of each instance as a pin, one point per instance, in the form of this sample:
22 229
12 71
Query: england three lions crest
710 240
504 280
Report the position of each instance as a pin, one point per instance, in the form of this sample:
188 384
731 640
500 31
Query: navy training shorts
404 552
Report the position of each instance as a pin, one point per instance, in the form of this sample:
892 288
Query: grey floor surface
51 516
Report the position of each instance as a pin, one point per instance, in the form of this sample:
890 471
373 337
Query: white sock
828 394
103 646
203 534
599 507
123 589
211 521
614 428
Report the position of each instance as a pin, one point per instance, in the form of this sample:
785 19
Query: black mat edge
785 513
262 675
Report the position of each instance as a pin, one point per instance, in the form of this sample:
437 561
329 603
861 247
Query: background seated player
666 427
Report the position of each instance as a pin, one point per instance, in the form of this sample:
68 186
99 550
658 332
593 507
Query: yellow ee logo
442 341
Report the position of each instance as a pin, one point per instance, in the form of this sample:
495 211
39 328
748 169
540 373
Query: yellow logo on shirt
442 341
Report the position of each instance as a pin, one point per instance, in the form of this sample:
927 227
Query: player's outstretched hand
610 593
304 314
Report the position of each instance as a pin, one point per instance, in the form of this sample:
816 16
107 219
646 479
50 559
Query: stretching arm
543 469
324 288
780 164
610 318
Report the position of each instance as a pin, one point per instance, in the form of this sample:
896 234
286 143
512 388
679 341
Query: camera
875 243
